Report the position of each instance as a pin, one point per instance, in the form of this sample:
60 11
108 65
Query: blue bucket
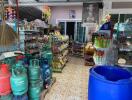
109 83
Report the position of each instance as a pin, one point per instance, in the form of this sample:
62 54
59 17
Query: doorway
70 29
74 29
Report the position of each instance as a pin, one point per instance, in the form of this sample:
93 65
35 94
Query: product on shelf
99 57
102 42
60 44
28 26
32 43
88 54
78 49
123 36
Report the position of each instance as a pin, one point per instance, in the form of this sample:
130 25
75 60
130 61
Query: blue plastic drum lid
111 74
109 83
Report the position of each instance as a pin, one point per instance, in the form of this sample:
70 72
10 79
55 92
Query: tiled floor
72 83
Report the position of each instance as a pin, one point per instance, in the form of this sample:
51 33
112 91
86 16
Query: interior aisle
72 83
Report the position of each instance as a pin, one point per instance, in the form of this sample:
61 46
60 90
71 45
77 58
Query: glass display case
124 37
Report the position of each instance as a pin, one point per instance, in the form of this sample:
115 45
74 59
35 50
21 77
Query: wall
61 12
108 7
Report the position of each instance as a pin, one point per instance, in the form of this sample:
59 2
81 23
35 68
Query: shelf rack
60 53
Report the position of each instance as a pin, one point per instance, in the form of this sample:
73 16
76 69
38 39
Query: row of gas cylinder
25 83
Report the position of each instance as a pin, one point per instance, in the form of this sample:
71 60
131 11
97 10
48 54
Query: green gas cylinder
6 97
19 80
49 56
34 70
35 90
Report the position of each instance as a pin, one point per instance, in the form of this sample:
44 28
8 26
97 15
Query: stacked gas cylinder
35 81
46 63
46 72
20 81
13 82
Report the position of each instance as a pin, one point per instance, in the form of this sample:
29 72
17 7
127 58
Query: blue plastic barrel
109 83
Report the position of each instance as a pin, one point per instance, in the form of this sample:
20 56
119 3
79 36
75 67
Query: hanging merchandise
35 90
34 70
22 97
10 14
19 80
46 13
7 35
5 87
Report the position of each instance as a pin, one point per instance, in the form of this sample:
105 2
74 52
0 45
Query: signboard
90 13
72 14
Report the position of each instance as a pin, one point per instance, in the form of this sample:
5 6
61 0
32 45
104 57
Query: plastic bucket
109 83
